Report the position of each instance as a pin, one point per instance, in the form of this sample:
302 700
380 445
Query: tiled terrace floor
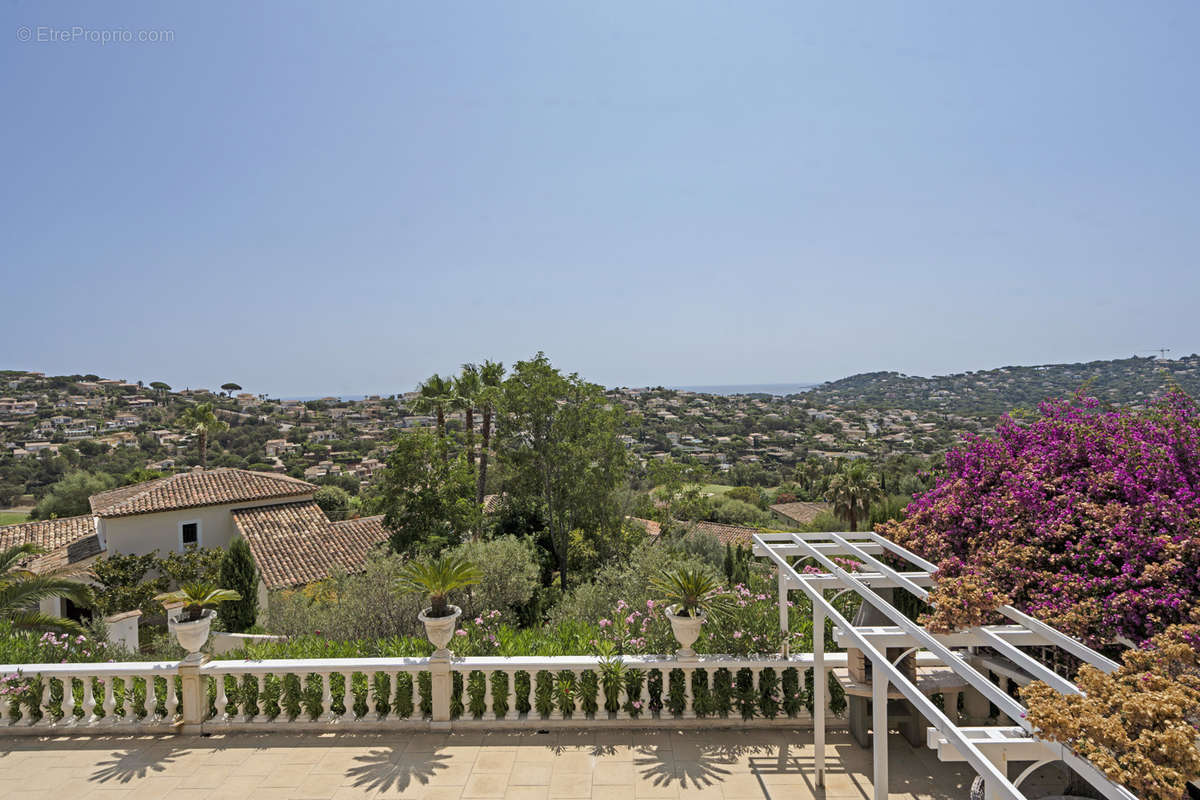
749 765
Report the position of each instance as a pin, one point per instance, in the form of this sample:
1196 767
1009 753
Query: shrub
126 582
510 575
193 565
351 607
738 512
1089 520
69 497
334 501
1140 724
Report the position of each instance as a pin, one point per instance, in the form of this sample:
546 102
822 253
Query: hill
989 393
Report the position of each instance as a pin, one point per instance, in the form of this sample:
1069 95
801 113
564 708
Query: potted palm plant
691 594
196 602
436 578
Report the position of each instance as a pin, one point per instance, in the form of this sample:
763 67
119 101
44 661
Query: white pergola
987 749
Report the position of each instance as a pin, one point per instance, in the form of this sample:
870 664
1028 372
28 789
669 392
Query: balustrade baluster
109 701
171 699
222 701
489 710
89 701
68 701
601 697
326 714
622 700
689 690
260 703
151 704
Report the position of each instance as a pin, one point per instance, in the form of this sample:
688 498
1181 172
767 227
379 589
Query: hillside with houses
50 425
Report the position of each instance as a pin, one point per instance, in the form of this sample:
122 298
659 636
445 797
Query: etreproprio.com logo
80 34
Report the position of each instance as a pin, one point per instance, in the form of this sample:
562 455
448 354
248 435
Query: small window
189 534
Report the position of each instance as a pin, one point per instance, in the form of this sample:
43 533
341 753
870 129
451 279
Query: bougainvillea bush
1086 518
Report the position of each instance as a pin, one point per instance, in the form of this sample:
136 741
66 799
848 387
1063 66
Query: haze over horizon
715 387
316 199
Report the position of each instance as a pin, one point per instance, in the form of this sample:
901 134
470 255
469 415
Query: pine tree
729 562
238 572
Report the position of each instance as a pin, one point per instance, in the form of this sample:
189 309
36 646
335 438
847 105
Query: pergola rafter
985 749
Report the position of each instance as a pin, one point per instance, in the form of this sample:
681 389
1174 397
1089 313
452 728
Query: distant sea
751 388
348 397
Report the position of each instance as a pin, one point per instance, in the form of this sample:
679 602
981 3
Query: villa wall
145 533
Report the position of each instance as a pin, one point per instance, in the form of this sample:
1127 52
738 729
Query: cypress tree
238 572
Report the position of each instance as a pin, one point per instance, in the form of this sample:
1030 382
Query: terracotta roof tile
295 543
69 555
726 534
198 488
49 534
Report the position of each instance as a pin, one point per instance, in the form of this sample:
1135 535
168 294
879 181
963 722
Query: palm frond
11 556
28 620
26 589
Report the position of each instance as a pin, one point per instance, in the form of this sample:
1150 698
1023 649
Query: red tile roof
68 540
295 543
726 534
48 534
198 488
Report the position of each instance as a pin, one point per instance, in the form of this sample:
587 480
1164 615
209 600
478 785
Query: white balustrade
307 692
48 699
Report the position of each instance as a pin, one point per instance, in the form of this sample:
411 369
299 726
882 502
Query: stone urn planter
192 635
440 630
686 630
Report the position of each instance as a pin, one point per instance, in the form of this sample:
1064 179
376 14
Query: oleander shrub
1086 518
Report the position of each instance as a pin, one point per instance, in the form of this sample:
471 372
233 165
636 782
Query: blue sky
321 198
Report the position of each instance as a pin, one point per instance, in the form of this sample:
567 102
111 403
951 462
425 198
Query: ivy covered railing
420 693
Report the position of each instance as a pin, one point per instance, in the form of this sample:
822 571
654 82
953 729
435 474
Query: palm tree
436 394
198 596
852 490
437 578
21 590
201 420
466 396
491 375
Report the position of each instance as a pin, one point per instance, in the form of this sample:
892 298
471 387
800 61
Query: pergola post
879 730
820 683
784 646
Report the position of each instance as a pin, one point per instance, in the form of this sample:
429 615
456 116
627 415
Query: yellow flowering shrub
1139 725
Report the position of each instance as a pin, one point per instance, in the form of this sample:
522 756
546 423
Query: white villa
292 540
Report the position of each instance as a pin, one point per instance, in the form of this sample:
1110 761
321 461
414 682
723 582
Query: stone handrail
408 693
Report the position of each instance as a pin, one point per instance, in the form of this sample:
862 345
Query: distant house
736 535
290 537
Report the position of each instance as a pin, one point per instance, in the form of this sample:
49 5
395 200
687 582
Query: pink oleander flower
460 632
605 623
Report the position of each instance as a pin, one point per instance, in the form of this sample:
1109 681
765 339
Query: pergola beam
891 636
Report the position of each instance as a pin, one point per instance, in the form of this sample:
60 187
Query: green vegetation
13 517
69 497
